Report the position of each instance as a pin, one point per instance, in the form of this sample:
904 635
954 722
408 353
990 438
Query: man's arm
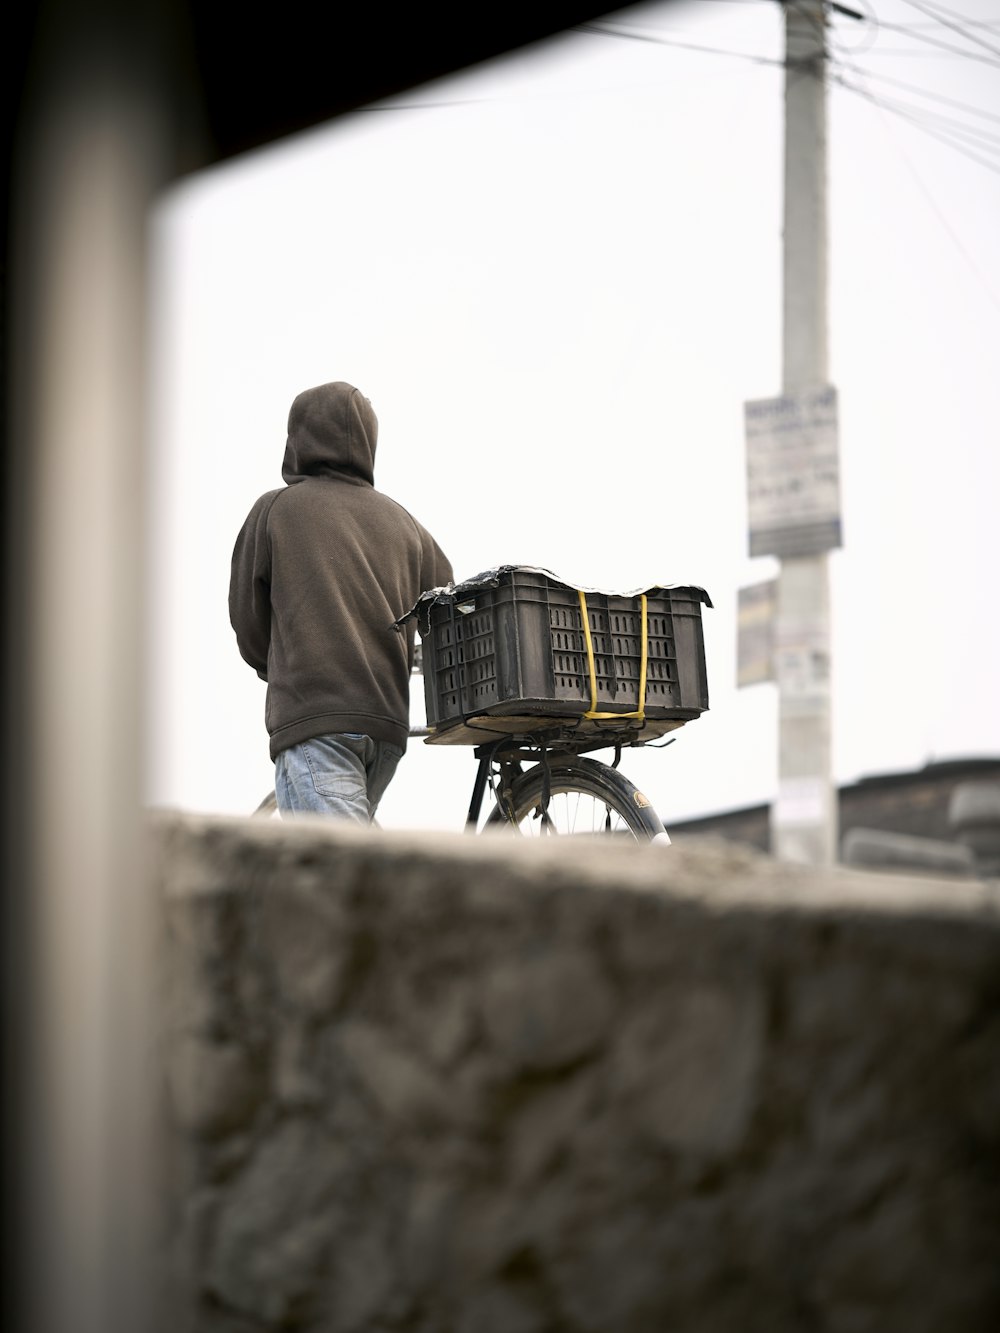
250 587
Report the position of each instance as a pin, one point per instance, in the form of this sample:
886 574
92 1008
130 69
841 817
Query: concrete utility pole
804 817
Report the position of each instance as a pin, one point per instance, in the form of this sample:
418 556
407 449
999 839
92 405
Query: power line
908 52
955 27
980 135
933 41
970 140
606 30
969 22
947 130
974 142
924 92
917 120
932 204
955 133
609 30
988 25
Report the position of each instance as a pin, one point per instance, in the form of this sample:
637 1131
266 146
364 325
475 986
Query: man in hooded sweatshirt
322 568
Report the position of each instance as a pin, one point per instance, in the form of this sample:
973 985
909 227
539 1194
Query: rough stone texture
453 1085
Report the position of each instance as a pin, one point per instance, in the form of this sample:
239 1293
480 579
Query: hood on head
332 428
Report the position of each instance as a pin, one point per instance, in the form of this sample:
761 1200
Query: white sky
558 278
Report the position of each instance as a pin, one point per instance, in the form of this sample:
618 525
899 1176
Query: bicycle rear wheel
586 799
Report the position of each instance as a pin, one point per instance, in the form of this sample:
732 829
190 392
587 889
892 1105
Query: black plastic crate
517 647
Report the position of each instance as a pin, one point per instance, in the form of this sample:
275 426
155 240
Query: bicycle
562 793
514 657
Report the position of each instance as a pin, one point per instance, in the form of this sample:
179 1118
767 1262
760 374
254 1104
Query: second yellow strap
640 712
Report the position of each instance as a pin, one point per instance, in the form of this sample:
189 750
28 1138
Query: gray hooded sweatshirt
321 569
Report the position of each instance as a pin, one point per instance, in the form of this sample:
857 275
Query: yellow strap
592 668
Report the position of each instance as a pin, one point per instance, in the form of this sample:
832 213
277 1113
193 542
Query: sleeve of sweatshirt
250 587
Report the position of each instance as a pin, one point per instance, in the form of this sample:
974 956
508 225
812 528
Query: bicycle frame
510 753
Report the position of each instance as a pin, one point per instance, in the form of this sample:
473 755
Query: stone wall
464 1085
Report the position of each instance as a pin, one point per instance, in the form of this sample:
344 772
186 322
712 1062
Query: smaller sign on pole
802 662
755 620
793 473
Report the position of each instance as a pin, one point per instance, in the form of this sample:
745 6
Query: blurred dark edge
227 79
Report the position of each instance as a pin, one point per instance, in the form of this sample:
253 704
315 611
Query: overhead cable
955 27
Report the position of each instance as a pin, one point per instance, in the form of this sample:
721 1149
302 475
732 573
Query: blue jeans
344 775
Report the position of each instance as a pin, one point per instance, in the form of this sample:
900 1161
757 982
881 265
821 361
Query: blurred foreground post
92 149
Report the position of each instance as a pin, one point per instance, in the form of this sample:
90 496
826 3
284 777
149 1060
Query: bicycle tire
604 798
267 807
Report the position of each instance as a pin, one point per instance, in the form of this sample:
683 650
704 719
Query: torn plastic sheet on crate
490 578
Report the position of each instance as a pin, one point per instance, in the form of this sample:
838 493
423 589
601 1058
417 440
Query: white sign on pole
755 618
802 661
793 473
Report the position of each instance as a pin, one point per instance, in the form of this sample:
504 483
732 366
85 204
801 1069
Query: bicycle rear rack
546 748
